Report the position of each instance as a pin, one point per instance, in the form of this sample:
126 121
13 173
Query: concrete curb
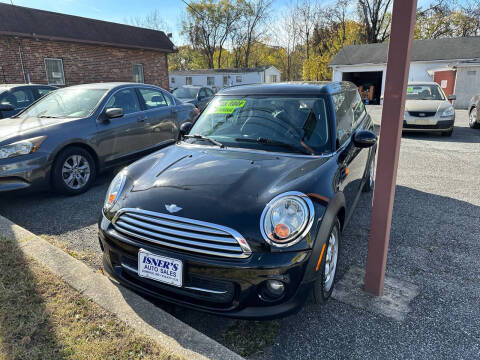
129 307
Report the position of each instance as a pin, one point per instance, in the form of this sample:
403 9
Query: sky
122 10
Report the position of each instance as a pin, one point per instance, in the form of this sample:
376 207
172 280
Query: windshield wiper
48 117
271 142
201 137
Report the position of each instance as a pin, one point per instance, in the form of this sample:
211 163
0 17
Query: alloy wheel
76 172
331 262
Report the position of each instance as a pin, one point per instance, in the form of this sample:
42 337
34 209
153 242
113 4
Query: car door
124 136
202 99
19 98
350 117
160 115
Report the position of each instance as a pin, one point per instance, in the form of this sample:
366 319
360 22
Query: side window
344 116
153 98
168 98
125 99
202 93
209 92
43 91
358 108
20 98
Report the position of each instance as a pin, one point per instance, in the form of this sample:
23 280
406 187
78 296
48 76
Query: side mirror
452 97
364 139
6 107
114 113
185 128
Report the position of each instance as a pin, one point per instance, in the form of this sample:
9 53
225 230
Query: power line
190 6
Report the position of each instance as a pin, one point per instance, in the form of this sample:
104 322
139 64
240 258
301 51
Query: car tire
73 171
370 178
325 282
473 118
447 133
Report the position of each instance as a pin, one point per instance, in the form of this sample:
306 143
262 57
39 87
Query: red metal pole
398 65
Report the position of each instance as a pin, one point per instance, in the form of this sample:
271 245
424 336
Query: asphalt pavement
435 244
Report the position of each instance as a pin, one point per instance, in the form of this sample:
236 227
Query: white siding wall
247 78
467 85
272 71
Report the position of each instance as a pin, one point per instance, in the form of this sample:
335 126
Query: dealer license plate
160 268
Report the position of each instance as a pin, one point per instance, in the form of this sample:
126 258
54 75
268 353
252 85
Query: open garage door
370 83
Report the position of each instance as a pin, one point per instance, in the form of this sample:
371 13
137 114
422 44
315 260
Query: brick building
50 48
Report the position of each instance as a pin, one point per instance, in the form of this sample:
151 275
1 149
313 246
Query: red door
446 80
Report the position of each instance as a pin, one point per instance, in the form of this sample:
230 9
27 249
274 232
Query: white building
220 78
452 62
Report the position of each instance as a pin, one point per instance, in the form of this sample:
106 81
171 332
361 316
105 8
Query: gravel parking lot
435 244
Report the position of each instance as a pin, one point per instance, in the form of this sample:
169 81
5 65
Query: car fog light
274 288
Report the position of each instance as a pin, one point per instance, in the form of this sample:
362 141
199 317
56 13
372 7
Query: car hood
426 105
221 186
13 128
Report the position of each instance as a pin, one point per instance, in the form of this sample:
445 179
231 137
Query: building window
54 70
225 80
471 72
138 73
188 80
239 79
210 80
173 80
273 78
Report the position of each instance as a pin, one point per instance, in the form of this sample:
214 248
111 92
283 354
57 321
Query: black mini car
243 215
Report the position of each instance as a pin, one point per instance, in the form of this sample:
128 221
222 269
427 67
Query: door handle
142 119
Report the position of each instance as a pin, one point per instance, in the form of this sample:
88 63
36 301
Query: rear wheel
73 171
323 286
473 119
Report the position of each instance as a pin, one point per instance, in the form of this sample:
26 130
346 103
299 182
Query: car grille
181 233
422 113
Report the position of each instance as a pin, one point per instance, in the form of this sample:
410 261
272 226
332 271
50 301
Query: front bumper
228 287
434 123
24 172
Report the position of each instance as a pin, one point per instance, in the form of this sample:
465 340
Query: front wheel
73 171
323 286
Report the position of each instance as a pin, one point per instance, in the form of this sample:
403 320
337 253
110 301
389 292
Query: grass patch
249 338
42 317
86 256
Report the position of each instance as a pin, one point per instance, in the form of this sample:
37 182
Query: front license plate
160 268
423 122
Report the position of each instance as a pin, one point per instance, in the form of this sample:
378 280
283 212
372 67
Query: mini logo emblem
422 114
172 208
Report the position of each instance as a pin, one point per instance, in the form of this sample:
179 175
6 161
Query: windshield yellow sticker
228 106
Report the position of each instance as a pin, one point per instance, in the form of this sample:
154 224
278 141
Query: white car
428 109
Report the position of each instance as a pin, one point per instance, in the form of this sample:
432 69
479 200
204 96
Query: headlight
22 147
286 219
448 112
114 190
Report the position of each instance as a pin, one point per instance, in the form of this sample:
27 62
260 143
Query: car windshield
66 103
424 92
185 92
272 123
